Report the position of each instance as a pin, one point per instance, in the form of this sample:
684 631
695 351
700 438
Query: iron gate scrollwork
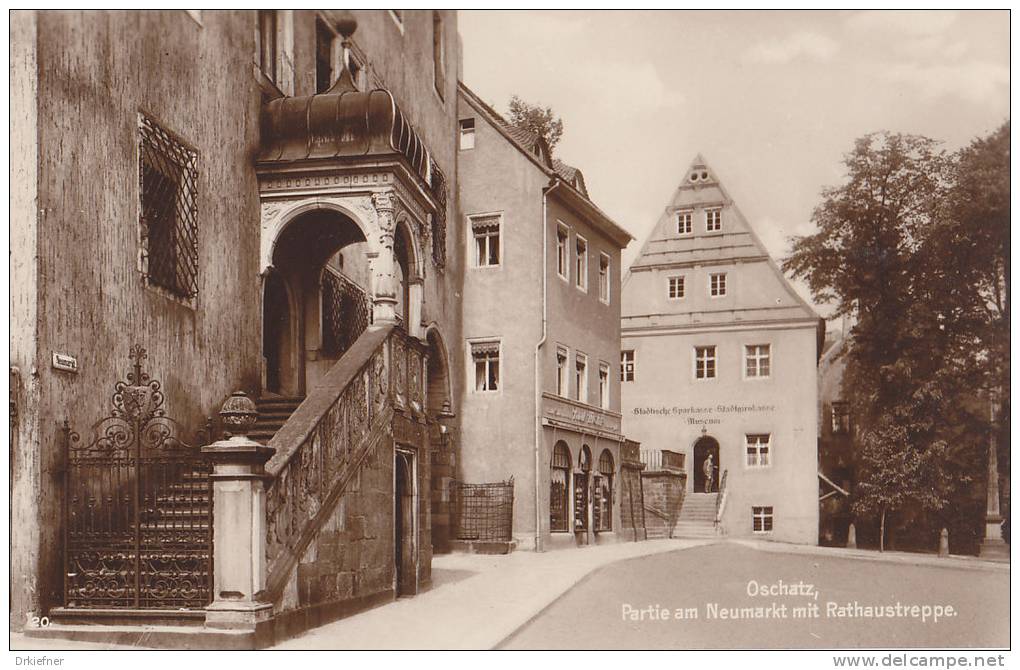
137 507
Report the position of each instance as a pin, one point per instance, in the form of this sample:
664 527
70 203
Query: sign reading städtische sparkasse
705 414
576 415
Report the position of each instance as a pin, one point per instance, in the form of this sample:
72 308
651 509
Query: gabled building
541 308
718 364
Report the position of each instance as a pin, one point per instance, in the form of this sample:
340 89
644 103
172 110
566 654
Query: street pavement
634 604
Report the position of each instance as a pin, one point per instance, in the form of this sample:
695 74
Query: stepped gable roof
737 242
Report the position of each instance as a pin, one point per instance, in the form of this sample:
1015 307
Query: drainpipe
538 363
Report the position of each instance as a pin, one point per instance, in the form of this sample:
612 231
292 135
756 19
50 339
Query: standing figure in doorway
709 469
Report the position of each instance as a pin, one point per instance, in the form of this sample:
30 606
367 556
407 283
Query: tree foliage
914 246
536 119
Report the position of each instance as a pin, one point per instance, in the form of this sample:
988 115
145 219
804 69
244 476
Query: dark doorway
404 549
703 449
275 330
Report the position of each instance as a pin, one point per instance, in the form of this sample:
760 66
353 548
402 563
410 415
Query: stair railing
329 437
720 502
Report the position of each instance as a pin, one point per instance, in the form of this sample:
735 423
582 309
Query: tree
537 120
867 259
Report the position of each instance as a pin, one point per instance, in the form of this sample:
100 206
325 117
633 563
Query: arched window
559 487
581 483
603 509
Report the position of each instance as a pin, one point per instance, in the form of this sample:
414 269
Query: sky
771 99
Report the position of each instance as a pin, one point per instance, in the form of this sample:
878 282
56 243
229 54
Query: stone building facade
170 190
541 309
718 364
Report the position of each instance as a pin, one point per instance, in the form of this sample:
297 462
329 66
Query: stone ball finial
239 413
346 25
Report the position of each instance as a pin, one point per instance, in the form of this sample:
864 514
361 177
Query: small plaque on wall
65 362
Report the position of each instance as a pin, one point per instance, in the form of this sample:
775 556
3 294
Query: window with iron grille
559 486
168 209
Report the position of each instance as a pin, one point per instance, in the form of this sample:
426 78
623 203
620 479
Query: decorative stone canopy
342 122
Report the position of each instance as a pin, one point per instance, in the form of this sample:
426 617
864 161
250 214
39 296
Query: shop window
581 481
581 264
627 365
581 377
604 278
684 223
563 251
485 356
486 234
759 450
717 284
562 371
168 178
604 385
704 362
559 488
713 220
467 134
603 508
757 361
761 519
840 417
676 288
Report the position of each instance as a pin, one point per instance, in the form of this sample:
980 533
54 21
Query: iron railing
346 313
720 500
137 507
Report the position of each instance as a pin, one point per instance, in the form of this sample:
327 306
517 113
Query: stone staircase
274 410
697 516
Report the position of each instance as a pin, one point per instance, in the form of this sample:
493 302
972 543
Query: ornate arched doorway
317 299
706 474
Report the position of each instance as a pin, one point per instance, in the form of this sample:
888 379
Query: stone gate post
239 523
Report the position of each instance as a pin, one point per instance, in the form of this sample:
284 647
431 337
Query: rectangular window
438 53
685 223
759 450
563 251
704 362
168 208
627 365
676 288
713 220
761 519
840 417
485 230
717 284
581 264
757 360
266 43
485 356
467 134
581 378
604 278
562 371
323 56
604 385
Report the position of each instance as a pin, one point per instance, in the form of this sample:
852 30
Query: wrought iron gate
137 507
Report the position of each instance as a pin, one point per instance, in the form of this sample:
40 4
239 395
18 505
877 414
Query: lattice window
168 189
345 313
